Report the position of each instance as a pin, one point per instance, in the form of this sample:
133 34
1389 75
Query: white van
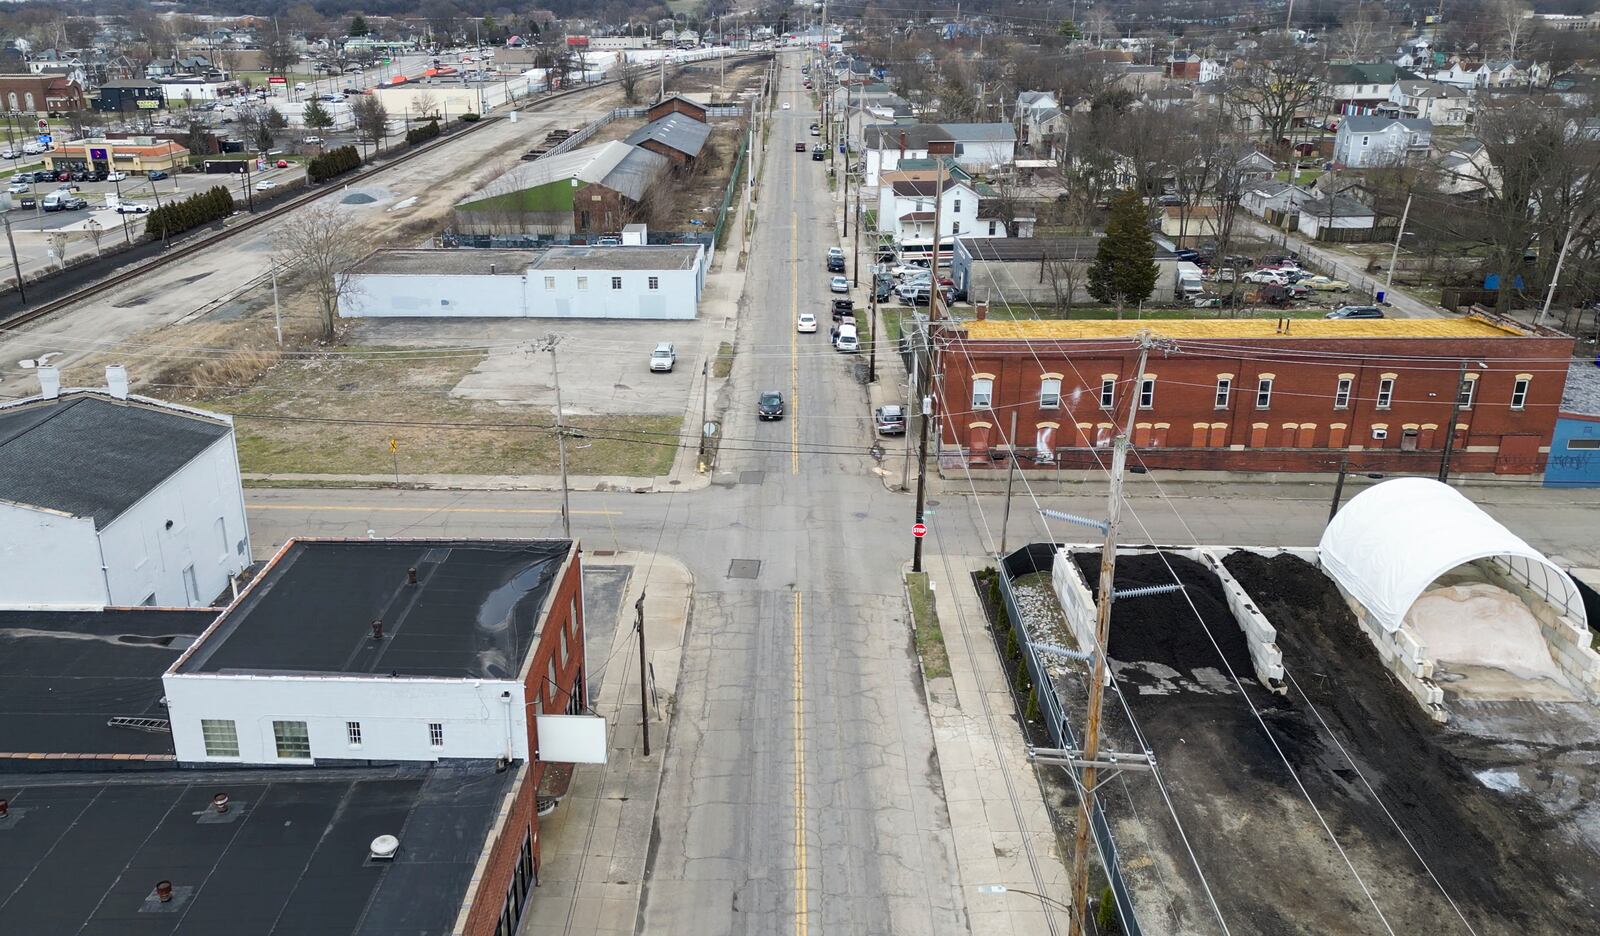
300 86
847 342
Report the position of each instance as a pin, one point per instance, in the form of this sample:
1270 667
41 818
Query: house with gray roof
589 189
110 499
978 147
1336 217
1444 104
1368 142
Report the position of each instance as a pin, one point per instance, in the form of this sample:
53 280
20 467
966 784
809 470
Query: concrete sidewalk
595 845
1002 831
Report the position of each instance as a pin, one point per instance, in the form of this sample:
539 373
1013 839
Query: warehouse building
679 137
403 707
107 498
1257 395
590 189
1042 269
621 282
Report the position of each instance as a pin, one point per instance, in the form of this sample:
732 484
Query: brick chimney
982 311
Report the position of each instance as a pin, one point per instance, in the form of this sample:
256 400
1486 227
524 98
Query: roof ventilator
383 848
377 628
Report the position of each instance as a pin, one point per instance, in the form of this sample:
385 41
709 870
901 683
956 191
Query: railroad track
198 244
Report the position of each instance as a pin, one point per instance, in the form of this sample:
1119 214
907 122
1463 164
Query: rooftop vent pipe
49 382
117 381
383 848
219 802
164 891
411 576
5 808
377 628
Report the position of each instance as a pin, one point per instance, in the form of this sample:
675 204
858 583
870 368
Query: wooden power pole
1102 633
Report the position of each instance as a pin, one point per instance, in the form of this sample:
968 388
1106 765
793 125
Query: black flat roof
473 613
93 456
289 857
63 674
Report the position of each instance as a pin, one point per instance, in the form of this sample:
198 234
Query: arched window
11 99
28 99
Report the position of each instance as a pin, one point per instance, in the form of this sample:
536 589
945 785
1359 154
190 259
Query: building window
955 227
1049 393
982 393
29 99
1574 445
583 283
1341 394
991 228
221 737
549 282
1108 392
565 651
1224 390
352 733
1385 392
11 99
655 282
292 740
436 734
958 205
1264 393
1465 392
616 282
1147 393
1519 393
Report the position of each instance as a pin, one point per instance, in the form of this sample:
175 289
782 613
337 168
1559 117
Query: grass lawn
367 387
925 626
1306 176
723 366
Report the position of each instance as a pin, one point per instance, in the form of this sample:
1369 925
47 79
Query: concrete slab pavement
595 846
1002 829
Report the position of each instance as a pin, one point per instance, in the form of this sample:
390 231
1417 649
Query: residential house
975 146
1273 201
1466 169
1140 78
110 499
1362 87
1337 218
1030 104
1366 142
187 65
1254 164
1184 66
1211 70
1165 99
1507 73
907 209
1462 73
1445 104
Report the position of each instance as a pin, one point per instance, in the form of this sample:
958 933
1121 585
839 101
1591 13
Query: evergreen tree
1124 268
316 116
358 25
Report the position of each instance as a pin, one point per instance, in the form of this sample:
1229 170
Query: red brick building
1254 394
40 94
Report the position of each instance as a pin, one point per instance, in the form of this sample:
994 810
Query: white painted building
108 499
193 91
906 209
623 282
976 147
386 650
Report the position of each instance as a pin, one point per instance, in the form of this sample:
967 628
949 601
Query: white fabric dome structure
1393 540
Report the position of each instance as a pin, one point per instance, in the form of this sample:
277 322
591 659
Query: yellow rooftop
1222 329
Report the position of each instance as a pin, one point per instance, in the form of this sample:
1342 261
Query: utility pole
1011 475
921 402
277 311
872 321
644 670
1450 428
855 267
934 293
15 263
1102 634
1394 255
549 344
1338 487
912 400
1555 277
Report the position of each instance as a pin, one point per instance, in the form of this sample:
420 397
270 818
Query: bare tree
424 105
628 76
1512 20
320 242
1357 36
1096 23
1065 277
371 119
96 234
58 248
1275 87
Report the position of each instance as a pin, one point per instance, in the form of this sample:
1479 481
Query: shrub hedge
332 163
200 208
423 133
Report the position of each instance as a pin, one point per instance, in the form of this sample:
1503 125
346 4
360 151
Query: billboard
577 42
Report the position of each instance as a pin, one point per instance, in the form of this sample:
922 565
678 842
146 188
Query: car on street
10 154
1170 200
1325 283
116 177
266 184
816 130
835 264
839 284
800 147
129 207
18 187
807 323
156 175
311 140
282 164
770 405
889 419
835 252
818 152
1186 254
843 307
785 105
1356 312
663 358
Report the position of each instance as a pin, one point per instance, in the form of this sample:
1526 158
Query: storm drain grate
752 477
744 568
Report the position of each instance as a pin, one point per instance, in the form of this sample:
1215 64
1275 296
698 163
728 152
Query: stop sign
919 530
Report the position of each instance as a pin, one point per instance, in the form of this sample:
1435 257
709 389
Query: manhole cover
752 477
744 568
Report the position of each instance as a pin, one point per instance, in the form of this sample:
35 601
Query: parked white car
663 357
1266 276
129 207
116 177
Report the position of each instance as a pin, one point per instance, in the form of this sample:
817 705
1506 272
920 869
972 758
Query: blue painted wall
1571 463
